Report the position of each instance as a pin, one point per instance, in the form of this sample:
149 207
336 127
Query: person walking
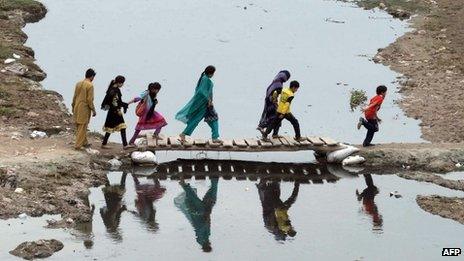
270 101
83 108
201 107
149 118
116 108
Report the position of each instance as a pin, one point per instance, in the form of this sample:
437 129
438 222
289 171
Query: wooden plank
253 143
150 140
265 144
212 144
228 144
162 141
316 141
240 143
292 141
188 142
200 142
276 142
285 141
329 141
305 142
174 142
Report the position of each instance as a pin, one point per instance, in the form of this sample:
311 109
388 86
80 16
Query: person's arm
90 100
289 202
74 97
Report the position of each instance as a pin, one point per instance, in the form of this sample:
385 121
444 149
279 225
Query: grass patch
357 98
30 6
5 111
4 94
5 52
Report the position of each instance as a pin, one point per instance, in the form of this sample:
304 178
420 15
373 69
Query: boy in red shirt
371 123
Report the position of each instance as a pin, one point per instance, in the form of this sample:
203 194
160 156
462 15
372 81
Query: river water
172 41
140 218
328 214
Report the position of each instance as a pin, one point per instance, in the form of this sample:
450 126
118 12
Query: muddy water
172 41
139 217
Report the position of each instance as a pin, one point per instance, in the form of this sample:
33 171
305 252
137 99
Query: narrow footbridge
240 170
320 145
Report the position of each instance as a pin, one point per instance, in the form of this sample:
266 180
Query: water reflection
367 197
275 211
198 211
147 194
111 213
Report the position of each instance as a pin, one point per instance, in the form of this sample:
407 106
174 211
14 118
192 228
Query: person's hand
379 120
94 113
281 116
363 109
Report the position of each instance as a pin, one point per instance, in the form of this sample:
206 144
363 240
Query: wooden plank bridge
240 170
320 145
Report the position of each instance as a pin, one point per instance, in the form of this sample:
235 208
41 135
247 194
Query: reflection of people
146 196
275 211
369 206
198 212
111 213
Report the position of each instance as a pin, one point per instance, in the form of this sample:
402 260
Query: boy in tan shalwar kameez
82 107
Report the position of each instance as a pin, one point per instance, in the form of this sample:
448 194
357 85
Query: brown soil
432 62
447 207
433 157
433 178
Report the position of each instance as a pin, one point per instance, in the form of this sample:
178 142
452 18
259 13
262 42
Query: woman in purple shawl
270 102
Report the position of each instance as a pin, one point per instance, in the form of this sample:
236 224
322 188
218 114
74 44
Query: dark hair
118 79
90 73
294 84
381 89
287 73
154 86
209 70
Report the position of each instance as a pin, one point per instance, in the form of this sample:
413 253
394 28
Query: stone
17 68
37 249
9 60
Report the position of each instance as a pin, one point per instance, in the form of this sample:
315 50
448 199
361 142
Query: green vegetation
30 6
6 111
357 98
5 52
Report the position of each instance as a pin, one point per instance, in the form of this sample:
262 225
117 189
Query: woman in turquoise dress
200 107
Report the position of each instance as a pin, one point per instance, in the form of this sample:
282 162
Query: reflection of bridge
240 170
319 145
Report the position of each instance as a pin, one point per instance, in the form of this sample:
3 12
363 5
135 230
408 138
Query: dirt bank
49 177
447 207
432 62
434 178
440 157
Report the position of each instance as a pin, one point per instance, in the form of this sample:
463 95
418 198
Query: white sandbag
141 142
144 157
353 160
340 155
38 134
16 56
114 164
92 151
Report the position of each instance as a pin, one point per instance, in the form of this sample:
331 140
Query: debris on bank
41 248
357 98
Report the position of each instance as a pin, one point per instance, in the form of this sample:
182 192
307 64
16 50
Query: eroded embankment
49 177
